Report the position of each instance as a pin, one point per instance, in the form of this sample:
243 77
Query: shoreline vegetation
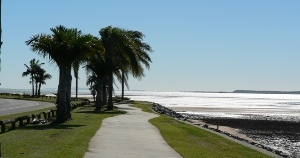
45 140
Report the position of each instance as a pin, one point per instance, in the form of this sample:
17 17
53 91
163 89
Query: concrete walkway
129 136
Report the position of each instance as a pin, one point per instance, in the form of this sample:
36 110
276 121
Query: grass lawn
13 116
65 140
191 142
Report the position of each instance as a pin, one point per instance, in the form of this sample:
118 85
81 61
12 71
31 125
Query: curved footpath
129 135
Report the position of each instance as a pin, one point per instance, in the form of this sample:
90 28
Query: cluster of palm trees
38 76
118 52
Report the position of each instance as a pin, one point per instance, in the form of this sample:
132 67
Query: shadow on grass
49 126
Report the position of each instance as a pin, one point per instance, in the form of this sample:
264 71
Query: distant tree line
117 53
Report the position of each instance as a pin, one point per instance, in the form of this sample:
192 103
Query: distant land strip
266 92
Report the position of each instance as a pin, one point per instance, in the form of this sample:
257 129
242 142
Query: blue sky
198 44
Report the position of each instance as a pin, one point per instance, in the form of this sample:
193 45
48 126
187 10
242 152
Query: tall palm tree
135 45
111 38
124 52
32 69
98 66
63 47
41 78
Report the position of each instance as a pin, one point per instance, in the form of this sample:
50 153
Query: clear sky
218 45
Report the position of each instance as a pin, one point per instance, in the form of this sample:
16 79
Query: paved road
11 106
129 136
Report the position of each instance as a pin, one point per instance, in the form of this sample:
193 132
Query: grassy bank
13 116
191 141
65 140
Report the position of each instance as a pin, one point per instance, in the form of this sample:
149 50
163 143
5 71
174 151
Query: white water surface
212 104
223 104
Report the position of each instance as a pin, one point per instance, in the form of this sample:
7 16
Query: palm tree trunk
39 92
68 99
110 105
99 101
36 88
61 97
32 85
76 87
123 82
104 91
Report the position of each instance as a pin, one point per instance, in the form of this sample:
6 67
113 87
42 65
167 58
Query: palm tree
111 37
32 69
98 66
140 49
63 47
125 52
41 78
91 81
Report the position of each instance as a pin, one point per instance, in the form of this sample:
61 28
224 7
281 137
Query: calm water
224 104
220 104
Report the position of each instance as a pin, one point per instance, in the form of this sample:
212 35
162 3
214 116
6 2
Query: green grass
191 142
65 140
13 116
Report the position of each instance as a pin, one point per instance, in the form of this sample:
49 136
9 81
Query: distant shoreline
266 92
86 91
248 91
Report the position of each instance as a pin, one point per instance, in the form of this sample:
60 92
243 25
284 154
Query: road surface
12 106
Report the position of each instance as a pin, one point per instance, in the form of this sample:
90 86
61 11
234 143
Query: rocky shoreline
279 135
